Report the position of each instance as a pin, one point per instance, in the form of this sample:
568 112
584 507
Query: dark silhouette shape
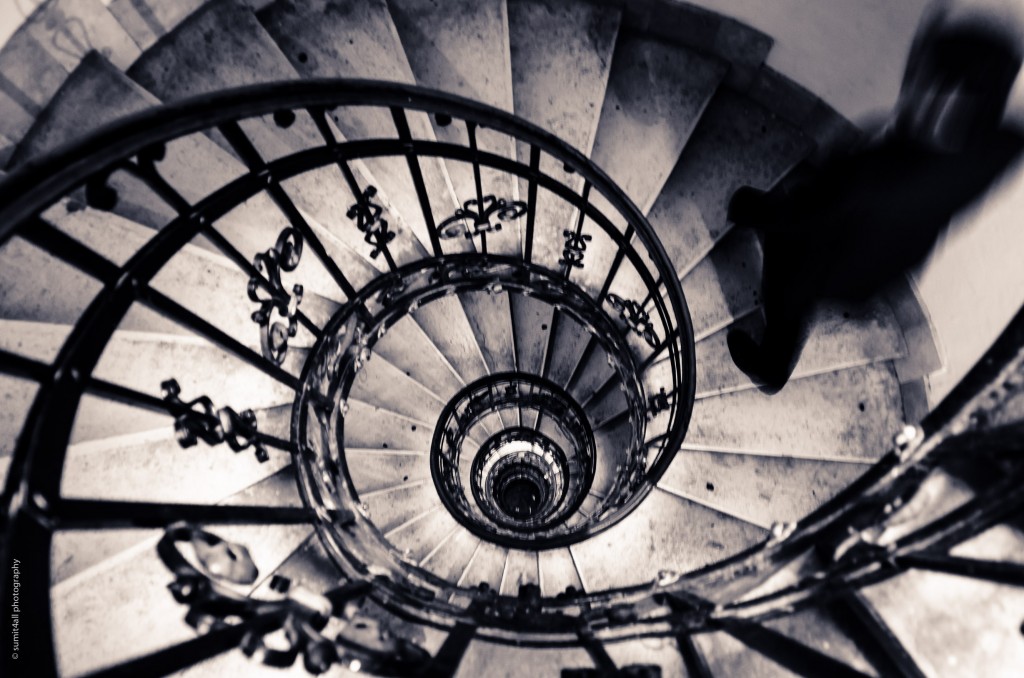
869 215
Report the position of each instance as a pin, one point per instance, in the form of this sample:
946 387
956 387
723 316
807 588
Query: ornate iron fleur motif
283 256
368 217
213 426
575 246
659 402
635 317
474 217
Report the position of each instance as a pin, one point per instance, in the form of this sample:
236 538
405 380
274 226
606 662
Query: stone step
759 490
97 93
382 384
665 532
146 21
188 62
557 571
375 470
656 94
357 39
446 324
842 336
508 661
849 415
725 285
416 541
408 348
521 567
486 565
463 48
561 59
391 508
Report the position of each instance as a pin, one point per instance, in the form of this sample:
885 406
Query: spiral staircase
394 343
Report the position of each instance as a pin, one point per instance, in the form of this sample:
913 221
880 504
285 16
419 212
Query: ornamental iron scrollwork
474 217
203 422
369 220
635 317
659 402
294 615
575 246
274 333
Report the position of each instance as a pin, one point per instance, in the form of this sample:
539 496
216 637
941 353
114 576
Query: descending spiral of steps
530 487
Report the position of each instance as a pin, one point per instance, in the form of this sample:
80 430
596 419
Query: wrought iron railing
631 305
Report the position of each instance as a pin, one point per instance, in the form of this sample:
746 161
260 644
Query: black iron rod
873 637
531 203
181 315
88 514
790 654
232 131
999 572
405 134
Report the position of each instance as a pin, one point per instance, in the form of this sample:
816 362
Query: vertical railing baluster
531 203
405 134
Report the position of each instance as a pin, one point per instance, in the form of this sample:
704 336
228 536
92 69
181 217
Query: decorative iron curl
369 220
635 317
283 256
474 217
203 422
301 615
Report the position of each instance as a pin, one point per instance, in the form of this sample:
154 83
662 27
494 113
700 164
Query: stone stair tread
557 571
656 95
407 347
521 567
390 508
37 286
445 323
416 541
531 323
464 49
762 490
726 284
561 58
508 661
368 426
146 21
819 417
664 533
373 470
736 143
821 631
490 316
16 397
68 29
486 566
31 77
380 383
353 39
188 61
141 361
450 561
841 337
727 656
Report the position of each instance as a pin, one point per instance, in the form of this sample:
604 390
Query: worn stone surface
761 490
726 284
418 539
444 322
736 143
561 58
841 337
381 383
350 39
146 21
372 427
487 566
505 661
391 507
69 29
727 656
490 316
449 562
374 470
36 286
821 631
819 418
531 323
520 569
29 76
664 532
406 347
557 572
